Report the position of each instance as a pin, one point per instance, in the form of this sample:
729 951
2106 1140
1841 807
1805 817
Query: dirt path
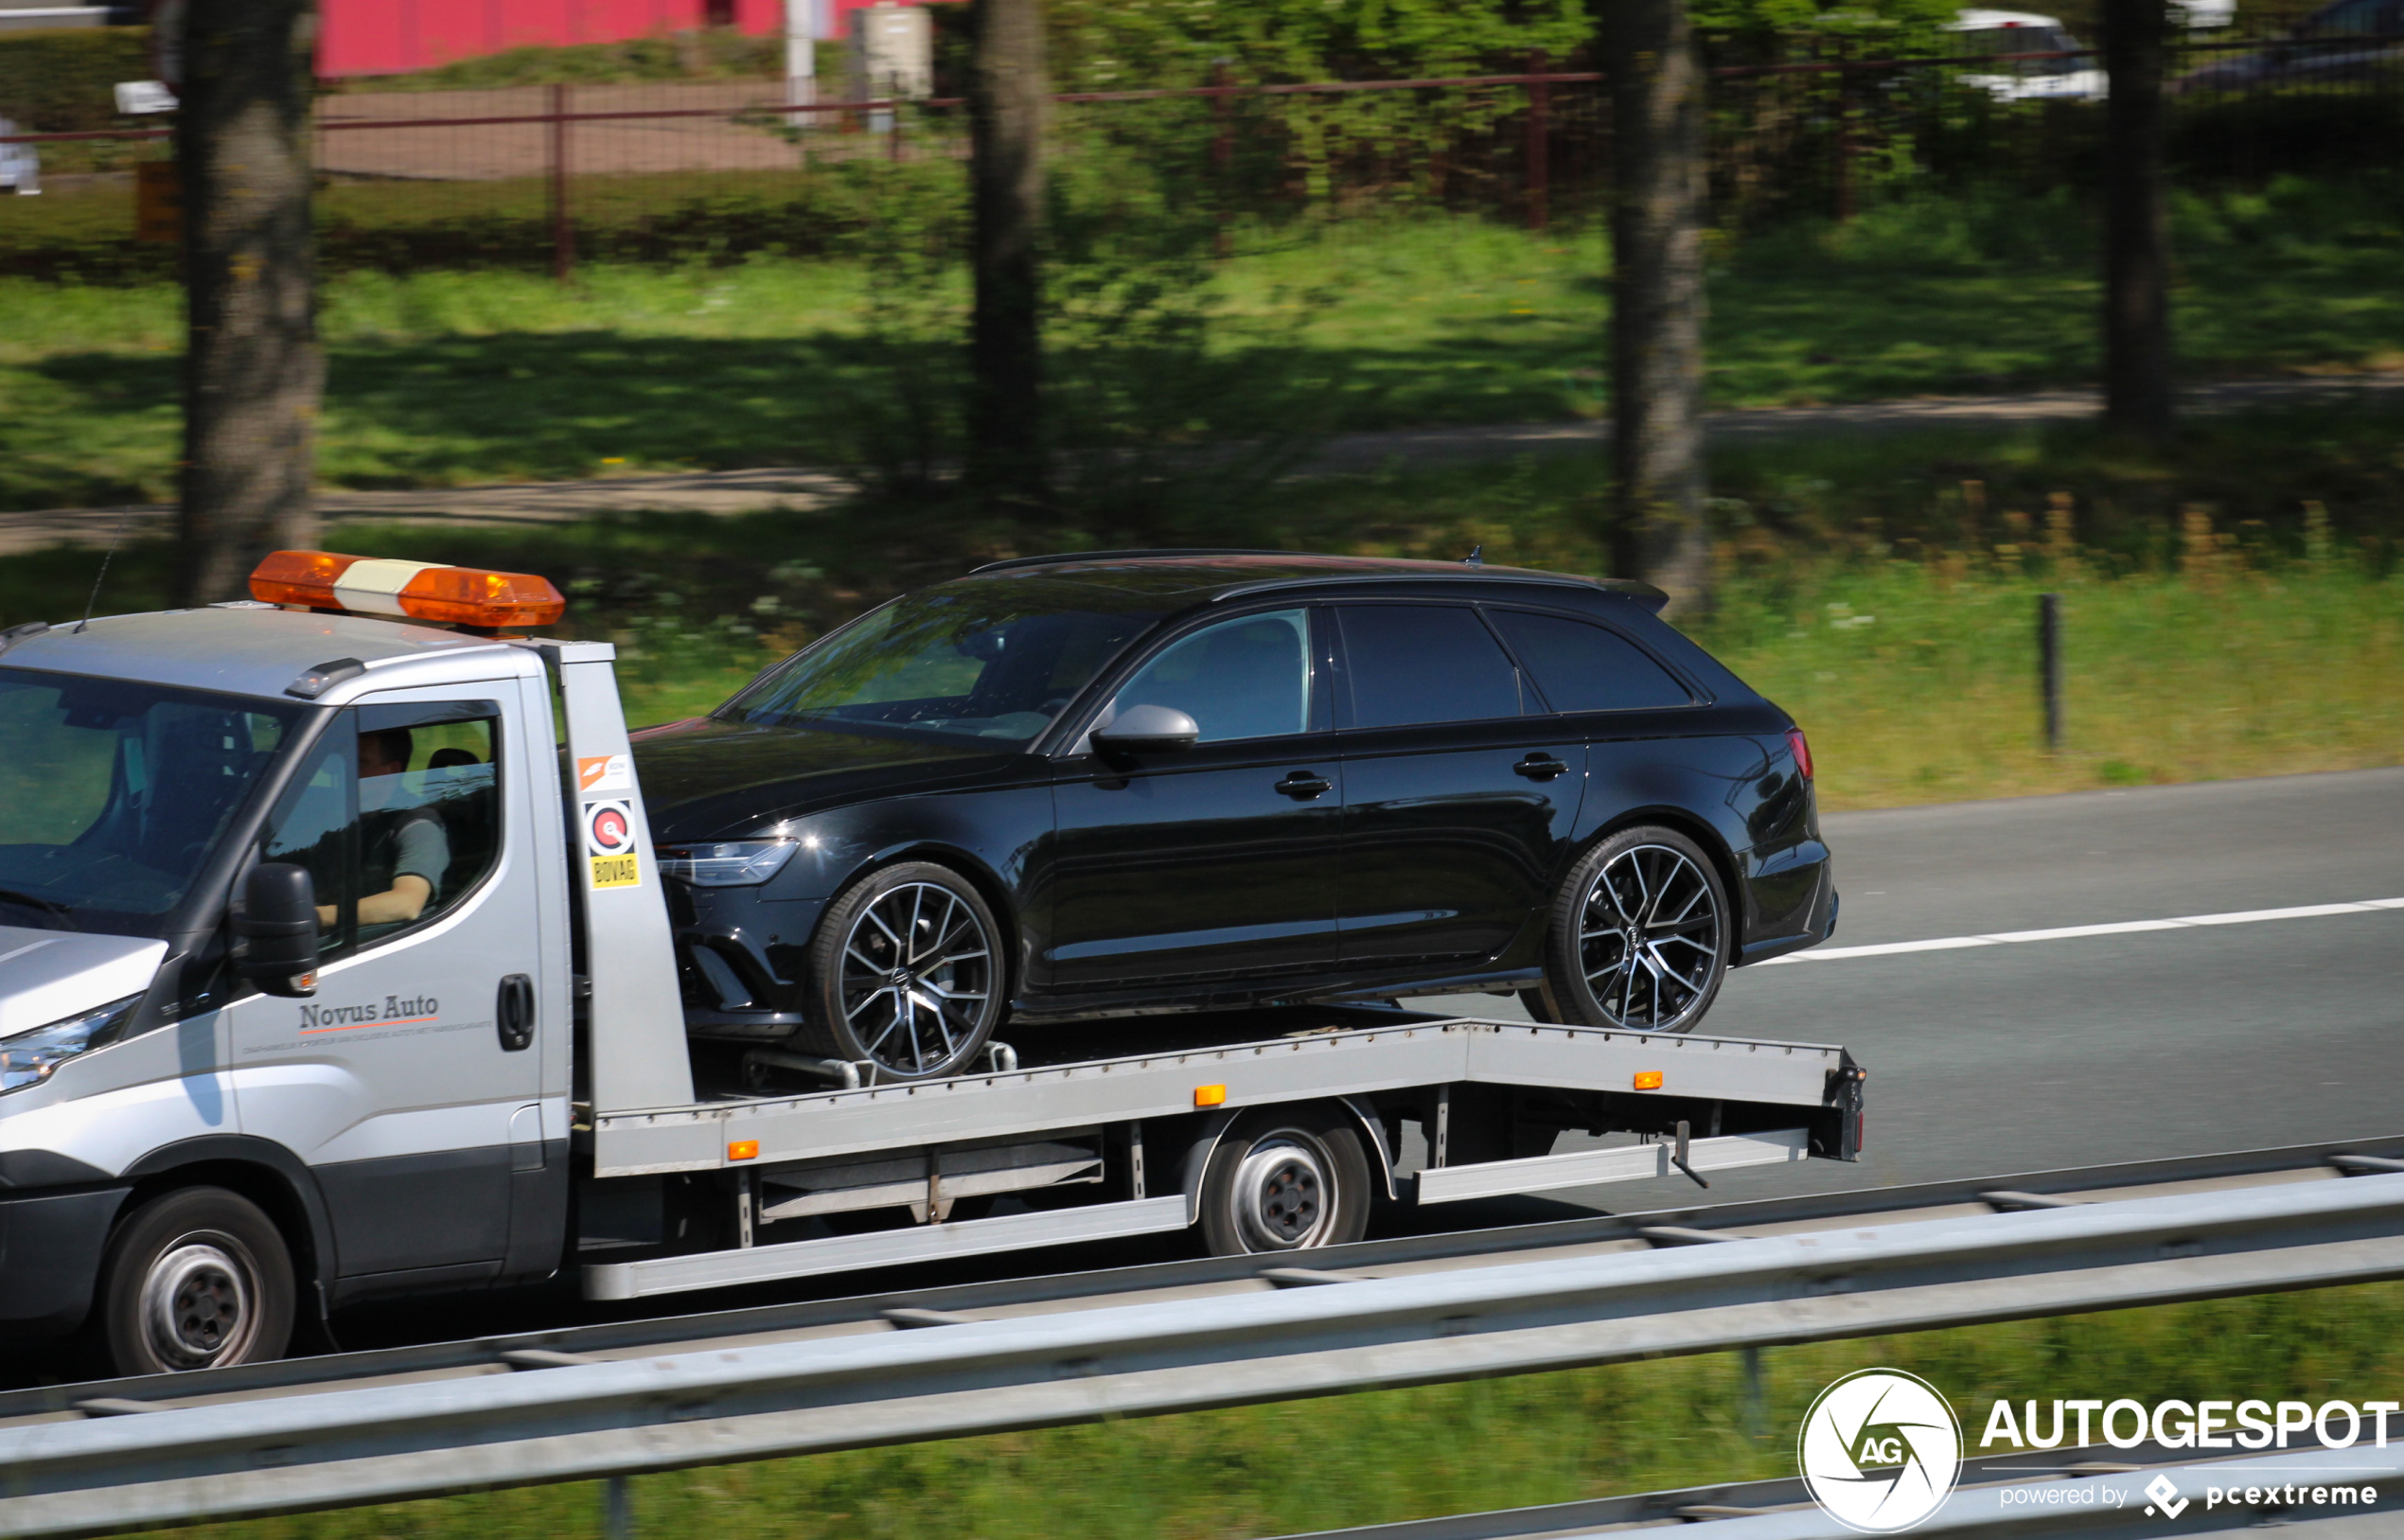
799 488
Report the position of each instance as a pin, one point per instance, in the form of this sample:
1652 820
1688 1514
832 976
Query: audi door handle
1539 767
1302 786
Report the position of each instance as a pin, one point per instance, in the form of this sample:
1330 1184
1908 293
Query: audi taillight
1801 748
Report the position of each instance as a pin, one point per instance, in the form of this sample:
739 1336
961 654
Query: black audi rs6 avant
1121 783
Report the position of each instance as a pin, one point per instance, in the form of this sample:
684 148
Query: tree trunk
1657 297
253 375
2136 320
1008 99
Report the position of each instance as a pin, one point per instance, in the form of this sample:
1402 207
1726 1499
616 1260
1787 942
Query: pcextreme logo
1881 1450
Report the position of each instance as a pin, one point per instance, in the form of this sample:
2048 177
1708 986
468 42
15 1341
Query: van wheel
1639 935
197 1279
907 973
1285 1179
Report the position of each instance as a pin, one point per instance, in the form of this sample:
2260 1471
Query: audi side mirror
1147 730
277 928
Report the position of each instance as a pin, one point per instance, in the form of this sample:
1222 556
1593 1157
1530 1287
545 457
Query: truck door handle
1539 766
513 1012
1302 786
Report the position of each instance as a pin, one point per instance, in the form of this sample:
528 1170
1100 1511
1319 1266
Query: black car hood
713 780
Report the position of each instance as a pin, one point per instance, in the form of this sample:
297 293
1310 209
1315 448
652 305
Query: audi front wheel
908 973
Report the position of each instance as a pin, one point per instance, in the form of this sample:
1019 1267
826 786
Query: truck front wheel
196 1279
910 973
1285 1179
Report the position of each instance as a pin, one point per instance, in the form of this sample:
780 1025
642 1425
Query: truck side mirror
1147 730
277 928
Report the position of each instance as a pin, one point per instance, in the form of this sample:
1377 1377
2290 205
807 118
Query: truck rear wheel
1637 938
907 973
197 1279
1285 1179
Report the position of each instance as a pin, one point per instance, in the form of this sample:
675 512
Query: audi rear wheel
1639 935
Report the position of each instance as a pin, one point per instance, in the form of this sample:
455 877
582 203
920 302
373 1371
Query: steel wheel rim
917 977
200 1302
1283 1196
1648 939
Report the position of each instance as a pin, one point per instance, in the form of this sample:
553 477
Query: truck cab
407 1107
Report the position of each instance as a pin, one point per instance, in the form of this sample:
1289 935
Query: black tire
1639 935
1286 1178
907 972
196 1279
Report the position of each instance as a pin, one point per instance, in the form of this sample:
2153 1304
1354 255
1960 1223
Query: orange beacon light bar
410 590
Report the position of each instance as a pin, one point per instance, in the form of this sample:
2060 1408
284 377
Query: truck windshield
112 793
971 660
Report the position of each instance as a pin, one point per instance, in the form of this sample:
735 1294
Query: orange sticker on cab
604 772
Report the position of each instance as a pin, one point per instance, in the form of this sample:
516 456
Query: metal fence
539 176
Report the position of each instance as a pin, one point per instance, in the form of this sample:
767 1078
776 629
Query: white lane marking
2071 932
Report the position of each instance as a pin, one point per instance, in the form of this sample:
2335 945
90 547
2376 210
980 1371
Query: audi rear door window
1581 666
1413 663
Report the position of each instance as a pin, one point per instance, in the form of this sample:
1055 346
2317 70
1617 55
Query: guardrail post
2049 665
1539 134
617 1509
1757 1401
563 232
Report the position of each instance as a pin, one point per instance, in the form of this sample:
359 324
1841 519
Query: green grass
1396 1455
447 378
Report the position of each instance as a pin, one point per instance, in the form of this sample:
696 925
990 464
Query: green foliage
62 81
445 378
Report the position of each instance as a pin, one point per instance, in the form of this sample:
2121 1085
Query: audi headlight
733 863
28 1058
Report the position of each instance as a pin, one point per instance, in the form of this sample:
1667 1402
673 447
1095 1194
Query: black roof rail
1643 594
1057 558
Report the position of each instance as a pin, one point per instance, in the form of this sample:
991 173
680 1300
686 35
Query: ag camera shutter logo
1881 1450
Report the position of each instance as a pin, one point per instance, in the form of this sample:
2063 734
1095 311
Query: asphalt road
1993 1059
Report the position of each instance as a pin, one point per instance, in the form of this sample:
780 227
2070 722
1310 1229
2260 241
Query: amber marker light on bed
1648 1080
743 1149
1209 1096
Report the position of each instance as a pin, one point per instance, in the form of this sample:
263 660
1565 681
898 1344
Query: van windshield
112 794
972 659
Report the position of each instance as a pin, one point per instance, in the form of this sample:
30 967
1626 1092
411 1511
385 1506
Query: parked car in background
2349 40
20 168
2037 77
1106 784
2040 79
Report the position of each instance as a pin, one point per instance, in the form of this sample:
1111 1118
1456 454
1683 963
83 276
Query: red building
380 37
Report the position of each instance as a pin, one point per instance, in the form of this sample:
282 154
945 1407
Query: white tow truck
252 1071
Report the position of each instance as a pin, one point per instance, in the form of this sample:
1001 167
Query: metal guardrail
2110 1501
588 1419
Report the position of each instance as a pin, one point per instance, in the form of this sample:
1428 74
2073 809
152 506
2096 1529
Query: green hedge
62 81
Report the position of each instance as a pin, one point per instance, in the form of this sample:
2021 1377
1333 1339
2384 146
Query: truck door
406 1079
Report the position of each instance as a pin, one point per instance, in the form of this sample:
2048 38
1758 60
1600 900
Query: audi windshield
980 660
